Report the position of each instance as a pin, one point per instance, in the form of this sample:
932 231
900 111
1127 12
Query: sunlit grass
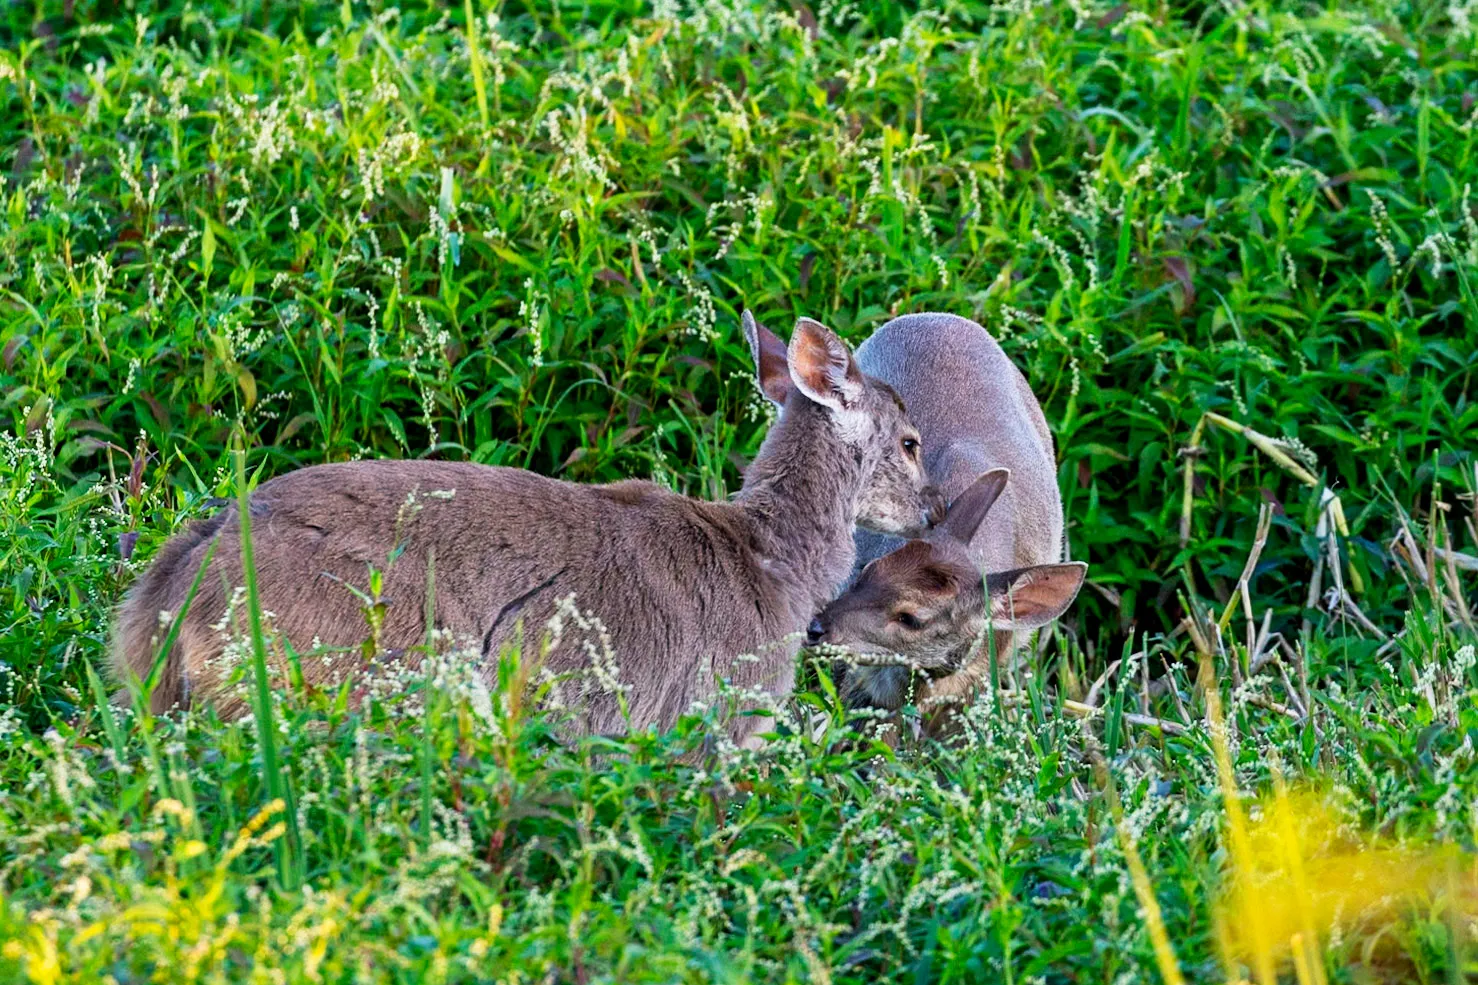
1301 871
1308 875
1232 249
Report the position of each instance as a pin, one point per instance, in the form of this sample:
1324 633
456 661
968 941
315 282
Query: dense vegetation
1232 246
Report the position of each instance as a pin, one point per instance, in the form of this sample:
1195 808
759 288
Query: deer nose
815 631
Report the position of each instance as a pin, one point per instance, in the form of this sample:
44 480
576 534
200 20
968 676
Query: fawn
927 600
929 603
683 589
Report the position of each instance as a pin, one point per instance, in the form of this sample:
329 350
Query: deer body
975 413
682 588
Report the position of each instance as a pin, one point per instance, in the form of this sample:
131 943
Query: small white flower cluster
1383 227
605 674
703 316
427 346
754 210
388 157
532 310
587 166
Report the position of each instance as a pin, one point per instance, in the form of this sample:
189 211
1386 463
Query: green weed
1232 246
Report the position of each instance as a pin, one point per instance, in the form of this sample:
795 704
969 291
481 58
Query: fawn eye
911 446
907 620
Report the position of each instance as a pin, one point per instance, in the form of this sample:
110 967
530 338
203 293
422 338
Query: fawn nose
815 632
936 506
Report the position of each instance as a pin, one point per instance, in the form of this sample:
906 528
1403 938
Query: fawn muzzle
936 505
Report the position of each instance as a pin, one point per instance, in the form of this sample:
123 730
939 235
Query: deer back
975 413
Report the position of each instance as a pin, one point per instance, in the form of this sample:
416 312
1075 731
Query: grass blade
272 776
428 751
105 711
151 681
474 55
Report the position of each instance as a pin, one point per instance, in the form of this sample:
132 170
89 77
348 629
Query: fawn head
928 602
866 414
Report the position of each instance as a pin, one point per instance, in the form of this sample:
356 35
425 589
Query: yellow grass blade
1164 954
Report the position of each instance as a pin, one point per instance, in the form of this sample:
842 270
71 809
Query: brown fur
927 602
975 413
683 587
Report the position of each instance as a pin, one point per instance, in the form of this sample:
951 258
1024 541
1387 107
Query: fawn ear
770 365
969 508
1030 597
822 367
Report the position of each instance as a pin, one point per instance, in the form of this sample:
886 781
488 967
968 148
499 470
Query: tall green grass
1232 246
826 856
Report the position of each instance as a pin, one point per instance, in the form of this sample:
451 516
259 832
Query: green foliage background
524 238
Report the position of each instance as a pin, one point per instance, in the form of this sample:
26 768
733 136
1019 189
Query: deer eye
911 446
907 620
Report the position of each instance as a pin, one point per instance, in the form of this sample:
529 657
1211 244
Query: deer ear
969 508
822 367
770 364
1030 597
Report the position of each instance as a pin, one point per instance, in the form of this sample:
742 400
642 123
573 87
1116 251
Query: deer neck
801 493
